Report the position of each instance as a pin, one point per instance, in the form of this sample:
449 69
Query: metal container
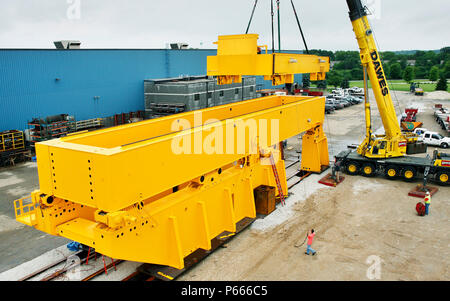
194 92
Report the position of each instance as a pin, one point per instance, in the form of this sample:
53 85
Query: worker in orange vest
427 201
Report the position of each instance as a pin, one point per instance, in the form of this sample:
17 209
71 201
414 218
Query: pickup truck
419 132
433 138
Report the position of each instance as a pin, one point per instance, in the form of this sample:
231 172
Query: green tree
387 70
321 52
357 74
388 56
322 84
306 83
403 63
447 69
421 72
442 83
444 54
396 71
434 74
408 74
334 78
345 83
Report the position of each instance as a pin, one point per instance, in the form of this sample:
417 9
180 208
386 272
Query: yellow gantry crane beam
158 190
238 55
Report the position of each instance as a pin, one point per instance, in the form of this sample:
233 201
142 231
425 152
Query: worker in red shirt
310 240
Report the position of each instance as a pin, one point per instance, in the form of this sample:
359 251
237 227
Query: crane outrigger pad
419 191
328 180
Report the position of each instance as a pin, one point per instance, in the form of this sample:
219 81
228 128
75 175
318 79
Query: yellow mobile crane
384 152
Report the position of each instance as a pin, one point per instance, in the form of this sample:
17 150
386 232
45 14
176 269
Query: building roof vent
67 44
179 46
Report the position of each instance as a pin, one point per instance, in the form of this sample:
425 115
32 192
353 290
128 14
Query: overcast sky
398 24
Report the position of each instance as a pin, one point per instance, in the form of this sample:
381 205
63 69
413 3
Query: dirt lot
358 219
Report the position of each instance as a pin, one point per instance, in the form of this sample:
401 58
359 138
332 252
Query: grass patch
400 85
394 84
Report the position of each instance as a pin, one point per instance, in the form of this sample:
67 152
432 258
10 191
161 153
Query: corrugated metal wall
86 83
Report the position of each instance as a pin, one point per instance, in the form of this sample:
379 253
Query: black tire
368 170
444 145
443 177
409 173
392 172
352 168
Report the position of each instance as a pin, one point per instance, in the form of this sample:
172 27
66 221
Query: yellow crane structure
158 190
394 142
232 62
384 153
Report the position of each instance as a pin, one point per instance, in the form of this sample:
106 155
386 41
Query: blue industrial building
86 83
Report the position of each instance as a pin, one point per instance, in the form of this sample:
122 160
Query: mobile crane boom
394 142
370 59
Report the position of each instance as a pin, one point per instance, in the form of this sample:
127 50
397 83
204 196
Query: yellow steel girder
125 192
237 55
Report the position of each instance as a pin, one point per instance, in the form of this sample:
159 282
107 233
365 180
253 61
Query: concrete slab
19 243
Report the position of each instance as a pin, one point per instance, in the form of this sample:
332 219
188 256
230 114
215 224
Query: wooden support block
264 199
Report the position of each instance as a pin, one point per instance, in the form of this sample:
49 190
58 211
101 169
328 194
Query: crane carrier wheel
409 173
352 168
368 170
391 172
443 177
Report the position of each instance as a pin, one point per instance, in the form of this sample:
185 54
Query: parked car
356 90
335 103
338 91
344 102
350 100
356 100
329 108
433 138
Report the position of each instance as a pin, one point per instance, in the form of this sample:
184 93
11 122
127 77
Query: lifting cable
279 26
300 27
251 17
273 32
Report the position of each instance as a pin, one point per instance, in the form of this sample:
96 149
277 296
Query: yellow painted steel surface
128 194
393 143
237 55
